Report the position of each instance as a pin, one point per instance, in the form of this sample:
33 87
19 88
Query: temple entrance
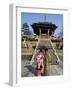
44 29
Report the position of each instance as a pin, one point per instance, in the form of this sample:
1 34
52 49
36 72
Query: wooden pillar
52 33
48 33
40 32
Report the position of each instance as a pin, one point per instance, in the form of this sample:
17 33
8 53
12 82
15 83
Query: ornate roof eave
44 25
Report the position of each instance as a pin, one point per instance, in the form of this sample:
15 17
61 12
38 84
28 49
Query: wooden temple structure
44 28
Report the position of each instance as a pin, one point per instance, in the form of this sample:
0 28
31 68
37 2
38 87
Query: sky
31 18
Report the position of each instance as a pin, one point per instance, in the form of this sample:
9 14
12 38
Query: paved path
54 70
28 70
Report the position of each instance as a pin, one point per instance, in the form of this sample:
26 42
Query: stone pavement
28 70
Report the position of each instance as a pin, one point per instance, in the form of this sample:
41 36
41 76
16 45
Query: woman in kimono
40 63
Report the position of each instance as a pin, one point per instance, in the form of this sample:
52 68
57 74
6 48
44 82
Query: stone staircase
46 42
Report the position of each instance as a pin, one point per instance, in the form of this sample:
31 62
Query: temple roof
45 25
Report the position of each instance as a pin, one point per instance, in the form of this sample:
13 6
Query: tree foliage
25 29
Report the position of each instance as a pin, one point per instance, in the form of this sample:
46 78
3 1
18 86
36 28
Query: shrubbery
29 39
56 40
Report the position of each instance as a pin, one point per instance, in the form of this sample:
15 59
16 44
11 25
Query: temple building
44 28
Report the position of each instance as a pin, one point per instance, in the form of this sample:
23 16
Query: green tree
26 30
